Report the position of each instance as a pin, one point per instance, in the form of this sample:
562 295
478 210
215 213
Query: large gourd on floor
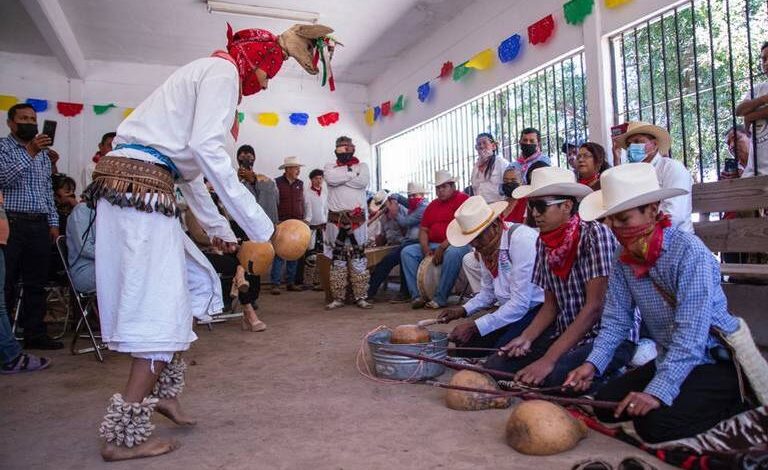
538 427
255 257
409 334
291 239
473 401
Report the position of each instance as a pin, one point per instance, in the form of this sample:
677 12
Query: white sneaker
334 305
362 303
645 352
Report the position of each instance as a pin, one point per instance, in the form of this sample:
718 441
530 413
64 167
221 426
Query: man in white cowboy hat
290 205
573 260
508 253
433 242
375 214
647 143
671 277
407 213
346 231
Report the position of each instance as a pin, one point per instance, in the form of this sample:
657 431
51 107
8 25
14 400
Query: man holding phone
25 180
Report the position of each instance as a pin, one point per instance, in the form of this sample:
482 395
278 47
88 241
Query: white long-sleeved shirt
346 186
489 188
672 174
315 205
512 288
188 119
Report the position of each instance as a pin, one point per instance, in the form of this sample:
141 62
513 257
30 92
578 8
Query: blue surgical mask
636 153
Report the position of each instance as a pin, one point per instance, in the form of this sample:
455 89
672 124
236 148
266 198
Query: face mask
507 188
528 149
486 152
636 153
344 156
26 131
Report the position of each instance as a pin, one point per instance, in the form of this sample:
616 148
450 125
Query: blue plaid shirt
687 271
26 181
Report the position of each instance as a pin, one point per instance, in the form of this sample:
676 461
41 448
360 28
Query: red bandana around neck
253 49
562 245
350 162
591 180
413 203
648 239
316 190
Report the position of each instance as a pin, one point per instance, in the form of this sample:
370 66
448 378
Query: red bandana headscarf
562 245
647 239
253 49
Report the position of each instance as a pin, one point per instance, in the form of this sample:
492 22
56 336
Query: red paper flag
447 70
328 118
386 108
540 31
69 109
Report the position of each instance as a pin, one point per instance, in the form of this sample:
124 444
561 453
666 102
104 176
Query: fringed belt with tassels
126 182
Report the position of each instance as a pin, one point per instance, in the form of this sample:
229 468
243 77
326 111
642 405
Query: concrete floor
287 398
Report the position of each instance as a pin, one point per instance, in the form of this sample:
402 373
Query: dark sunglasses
541 205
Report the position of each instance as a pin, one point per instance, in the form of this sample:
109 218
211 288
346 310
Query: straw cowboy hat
442 177
416 188
625 187
552 181
289 162
378 200
639 127
471 218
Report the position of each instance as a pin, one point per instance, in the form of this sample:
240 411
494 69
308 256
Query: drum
428 278
376 254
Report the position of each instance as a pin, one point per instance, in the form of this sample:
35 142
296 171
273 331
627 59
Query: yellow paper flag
6 101
615 3
127 112
268 119
481 60
369 116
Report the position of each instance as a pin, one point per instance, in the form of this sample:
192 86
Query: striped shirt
597 246
26 181
688 271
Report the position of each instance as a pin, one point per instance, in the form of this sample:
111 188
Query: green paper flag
399 104
240 117
102 108
576 10
460 71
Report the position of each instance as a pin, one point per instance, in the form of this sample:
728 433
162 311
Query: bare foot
171 409
151 448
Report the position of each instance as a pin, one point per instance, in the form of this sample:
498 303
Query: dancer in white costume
151 279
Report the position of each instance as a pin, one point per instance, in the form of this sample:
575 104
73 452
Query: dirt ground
287 398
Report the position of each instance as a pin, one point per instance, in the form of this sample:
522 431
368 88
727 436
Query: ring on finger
631 405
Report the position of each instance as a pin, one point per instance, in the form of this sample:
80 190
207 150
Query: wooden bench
741 235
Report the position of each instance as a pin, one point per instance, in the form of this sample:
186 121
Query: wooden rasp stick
449 364
429 322
528 394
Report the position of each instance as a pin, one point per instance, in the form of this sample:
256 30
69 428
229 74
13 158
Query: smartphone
49 129
731 167
619 129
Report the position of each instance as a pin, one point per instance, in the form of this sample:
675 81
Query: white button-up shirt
672 174
488 188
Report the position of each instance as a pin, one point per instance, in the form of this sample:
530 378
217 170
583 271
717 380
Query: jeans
277 270
411 257
9 347
385 266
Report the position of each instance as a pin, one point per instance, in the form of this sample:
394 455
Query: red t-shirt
439 214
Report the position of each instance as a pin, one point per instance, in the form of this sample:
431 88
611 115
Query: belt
163 159
32 216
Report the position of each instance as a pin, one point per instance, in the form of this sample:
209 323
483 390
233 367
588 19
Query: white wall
126 85
485 25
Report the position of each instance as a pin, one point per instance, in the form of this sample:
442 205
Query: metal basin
404 368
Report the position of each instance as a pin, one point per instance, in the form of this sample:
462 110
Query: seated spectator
64 197
81 239
488 171
739 142
531 157
376 216
104 147
508 254
647 143
573 260
433 242
407 214
674 281
754 109
590 164
571 151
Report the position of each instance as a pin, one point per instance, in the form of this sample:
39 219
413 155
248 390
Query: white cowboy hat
289 162
552 181
663 141
378 200
442 177
415 188
625 187
471 218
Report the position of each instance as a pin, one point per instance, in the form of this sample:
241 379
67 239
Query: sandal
25 363
635 463
592 464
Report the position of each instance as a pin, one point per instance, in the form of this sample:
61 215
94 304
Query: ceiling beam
53 25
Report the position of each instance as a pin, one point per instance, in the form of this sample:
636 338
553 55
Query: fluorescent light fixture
229 8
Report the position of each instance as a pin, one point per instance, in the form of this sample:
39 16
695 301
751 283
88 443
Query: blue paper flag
424 91
299 119
509 48
376 113
39 105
